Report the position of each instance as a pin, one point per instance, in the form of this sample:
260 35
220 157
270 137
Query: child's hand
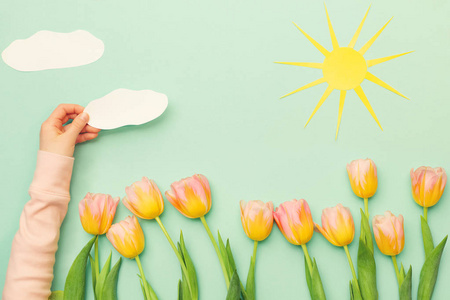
60 139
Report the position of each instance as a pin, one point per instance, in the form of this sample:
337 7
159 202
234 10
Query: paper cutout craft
345 68
125 107
53 50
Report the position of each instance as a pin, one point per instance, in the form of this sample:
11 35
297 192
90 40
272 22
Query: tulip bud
127 237
427 185
97 212
144 199
363 177
257 219
389 234
295 221
337 225
191 196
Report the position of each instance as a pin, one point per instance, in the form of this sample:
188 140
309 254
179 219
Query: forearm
30 269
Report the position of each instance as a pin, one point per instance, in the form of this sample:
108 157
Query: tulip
390 238
388 232
427 185
144 199
295 221
257 219
337 225
191 196
362 174
97 212
338 228
128 239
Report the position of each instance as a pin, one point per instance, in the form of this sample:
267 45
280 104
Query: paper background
214 60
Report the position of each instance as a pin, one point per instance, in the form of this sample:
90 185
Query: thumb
78 124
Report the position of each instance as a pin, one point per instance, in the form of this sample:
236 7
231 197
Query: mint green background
214 60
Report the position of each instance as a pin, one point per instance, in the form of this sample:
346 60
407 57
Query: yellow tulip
97 212
363 177
337 225
144 199
389 234
295 221
427 185
127 237
257 219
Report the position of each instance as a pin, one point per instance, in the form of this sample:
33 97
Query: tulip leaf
192 280
94 276
102 277
76 278
402 273
367 273
150 289
224 254
234 290
354 291
308 276
317 292
429 272
230 256
110 285
428 244
56 295
180 291
250 285
405 288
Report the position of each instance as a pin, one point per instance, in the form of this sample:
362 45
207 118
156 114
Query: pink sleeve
30 268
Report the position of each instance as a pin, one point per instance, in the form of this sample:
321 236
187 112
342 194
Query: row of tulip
192 198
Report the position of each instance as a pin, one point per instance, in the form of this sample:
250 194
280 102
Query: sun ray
321 101
316 44
376 80
359 91
358 31
332 34
341 108
370 42
302 64
307 86
376 61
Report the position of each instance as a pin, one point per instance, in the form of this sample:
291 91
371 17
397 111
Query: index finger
58 115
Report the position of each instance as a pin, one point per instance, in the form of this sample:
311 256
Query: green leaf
180 291
230 256
429 272
354 290
366 234
190 268
234 290
76 278
402 273
308 276
56 295
405 289
102 278
110 285
94 276
317 292
224 254
367 273
428 244
152 292
250 285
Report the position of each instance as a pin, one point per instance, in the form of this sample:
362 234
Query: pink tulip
257 219
389 234
144 199
295 221
127 237
337 225
363 177
427 185
97 212
191 196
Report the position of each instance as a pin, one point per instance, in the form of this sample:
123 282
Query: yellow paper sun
345 68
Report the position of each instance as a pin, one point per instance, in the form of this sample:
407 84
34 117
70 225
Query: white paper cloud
53 50
126 107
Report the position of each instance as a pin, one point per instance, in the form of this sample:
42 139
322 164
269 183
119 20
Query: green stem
177 253
366 207
308 259
397 272
222 264
351 265
255 246
144 281
425 213
97 261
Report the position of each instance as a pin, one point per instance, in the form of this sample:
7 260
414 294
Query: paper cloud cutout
53 50
126 107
